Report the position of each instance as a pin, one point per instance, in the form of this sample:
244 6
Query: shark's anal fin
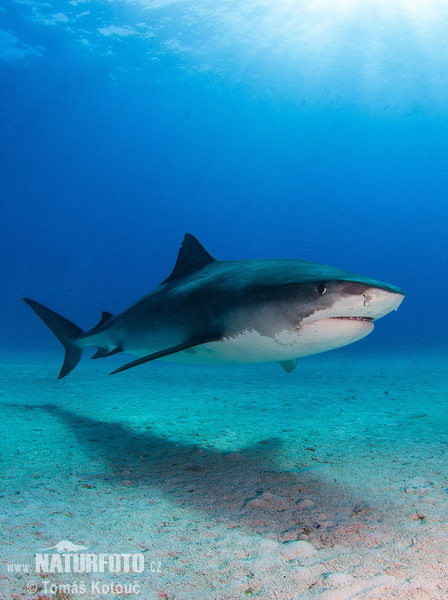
104 352
289 365
197 341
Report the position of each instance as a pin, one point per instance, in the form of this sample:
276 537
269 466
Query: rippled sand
232 482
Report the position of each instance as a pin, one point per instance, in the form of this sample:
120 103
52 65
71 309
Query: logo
70 559
73 559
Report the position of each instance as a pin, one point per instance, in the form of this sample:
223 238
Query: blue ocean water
314 130
309 129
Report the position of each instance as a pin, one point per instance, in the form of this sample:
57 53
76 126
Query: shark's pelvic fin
289 365
192 257
197 341
67 333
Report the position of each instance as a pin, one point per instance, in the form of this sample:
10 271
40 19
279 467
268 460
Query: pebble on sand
298 549
267 500
338 579
305 503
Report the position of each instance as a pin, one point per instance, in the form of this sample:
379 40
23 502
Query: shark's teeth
354 318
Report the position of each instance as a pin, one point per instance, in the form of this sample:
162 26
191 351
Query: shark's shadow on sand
245 488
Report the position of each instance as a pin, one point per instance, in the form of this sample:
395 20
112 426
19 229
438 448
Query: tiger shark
211 311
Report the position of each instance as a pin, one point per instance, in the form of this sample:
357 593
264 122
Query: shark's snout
349 300
378 302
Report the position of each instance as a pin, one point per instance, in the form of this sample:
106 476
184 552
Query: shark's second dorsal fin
192 257
105 317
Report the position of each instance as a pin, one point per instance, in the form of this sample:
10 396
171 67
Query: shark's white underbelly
252 347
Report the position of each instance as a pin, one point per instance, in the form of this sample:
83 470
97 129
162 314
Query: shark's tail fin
67 333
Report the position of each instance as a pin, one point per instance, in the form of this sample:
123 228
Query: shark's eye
321 289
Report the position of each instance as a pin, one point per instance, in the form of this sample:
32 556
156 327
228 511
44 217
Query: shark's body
247 311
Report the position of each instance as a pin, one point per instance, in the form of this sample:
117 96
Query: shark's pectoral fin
197 341
289 365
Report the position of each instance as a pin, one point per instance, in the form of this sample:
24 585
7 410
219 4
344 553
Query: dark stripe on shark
199 341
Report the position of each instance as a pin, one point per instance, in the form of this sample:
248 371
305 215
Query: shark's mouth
369 319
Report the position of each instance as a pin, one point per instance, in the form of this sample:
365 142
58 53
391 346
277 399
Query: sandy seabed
229 482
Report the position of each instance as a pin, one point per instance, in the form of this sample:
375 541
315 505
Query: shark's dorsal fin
192 257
